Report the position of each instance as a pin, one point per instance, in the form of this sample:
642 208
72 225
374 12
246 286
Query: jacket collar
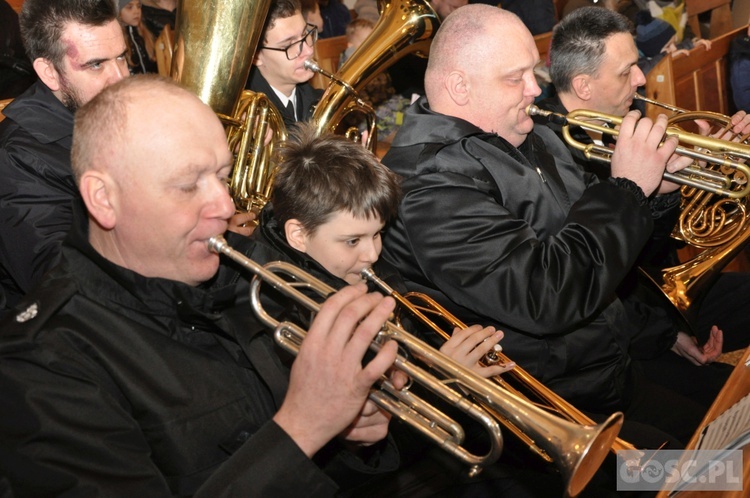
433 128
273 234
105 281
270 232
42 115
554 104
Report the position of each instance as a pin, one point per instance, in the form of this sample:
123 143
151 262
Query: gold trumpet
722 154
718 226
571 463
583 448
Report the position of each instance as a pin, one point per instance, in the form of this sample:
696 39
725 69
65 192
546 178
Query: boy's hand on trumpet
468 346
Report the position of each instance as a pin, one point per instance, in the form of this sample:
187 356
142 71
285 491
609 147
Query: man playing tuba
279 66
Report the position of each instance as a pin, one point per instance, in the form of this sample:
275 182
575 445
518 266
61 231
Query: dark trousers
727 305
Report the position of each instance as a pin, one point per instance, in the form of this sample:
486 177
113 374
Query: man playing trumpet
502 227
137 368
594 66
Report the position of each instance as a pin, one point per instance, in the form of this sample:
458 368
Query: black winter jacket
651 313
118 385
38 190
522 239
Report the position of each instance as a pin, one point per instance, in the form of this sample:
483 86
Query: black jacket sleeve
486 257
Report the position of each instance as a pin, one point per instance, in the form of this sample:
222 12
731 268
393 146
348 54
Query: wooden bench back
3 104
163 50
698 81
16 4
542 45
328 53
720 19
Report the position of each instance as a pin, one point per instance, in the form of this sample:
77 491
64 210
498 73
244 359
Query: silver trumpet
581 448
428 420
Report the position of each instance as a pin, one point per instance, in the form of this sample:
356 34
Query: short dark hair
319 175
307 6
43 21
578 43
279 9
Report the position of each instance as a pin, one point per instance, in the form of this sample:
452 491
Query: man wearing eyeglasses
279 70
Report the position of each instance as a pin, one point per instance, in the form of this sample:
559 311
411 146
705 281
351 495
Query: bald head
465 42
152 163
481 70
102 127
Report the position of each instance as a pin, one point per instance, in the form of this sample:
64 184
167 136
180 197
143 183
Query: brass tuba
214 48
404 27
581 448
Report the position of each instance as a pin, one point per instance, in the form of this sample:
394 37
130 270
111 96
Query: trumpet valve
493 356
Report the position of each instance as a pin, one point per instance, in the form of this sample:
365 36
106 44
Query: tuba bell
214 47
404 27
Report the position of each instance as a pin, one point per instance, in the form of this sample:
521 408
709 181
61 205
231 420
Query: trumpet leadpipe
720 153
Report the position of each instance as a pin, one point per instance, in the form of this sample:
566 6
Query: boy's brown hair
318 176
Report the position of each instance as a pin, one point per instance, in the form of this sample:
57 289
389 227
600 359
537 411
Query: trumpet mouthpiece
533 110
216 244
553 117
312 65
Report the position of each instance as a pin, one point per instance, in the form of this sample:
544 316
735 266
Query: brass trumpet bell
554 429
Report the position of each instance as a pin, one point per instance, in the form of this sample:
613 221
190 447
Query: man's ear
257 59
581 86
98 192
47 73
458 87
296 236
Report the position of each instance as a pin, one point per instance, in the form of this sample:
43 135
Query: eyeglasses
294 49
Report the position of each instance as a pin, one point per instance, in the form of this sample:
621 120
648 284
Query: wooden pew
3 104
542 41
164 48
720 19
698 81
16 4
